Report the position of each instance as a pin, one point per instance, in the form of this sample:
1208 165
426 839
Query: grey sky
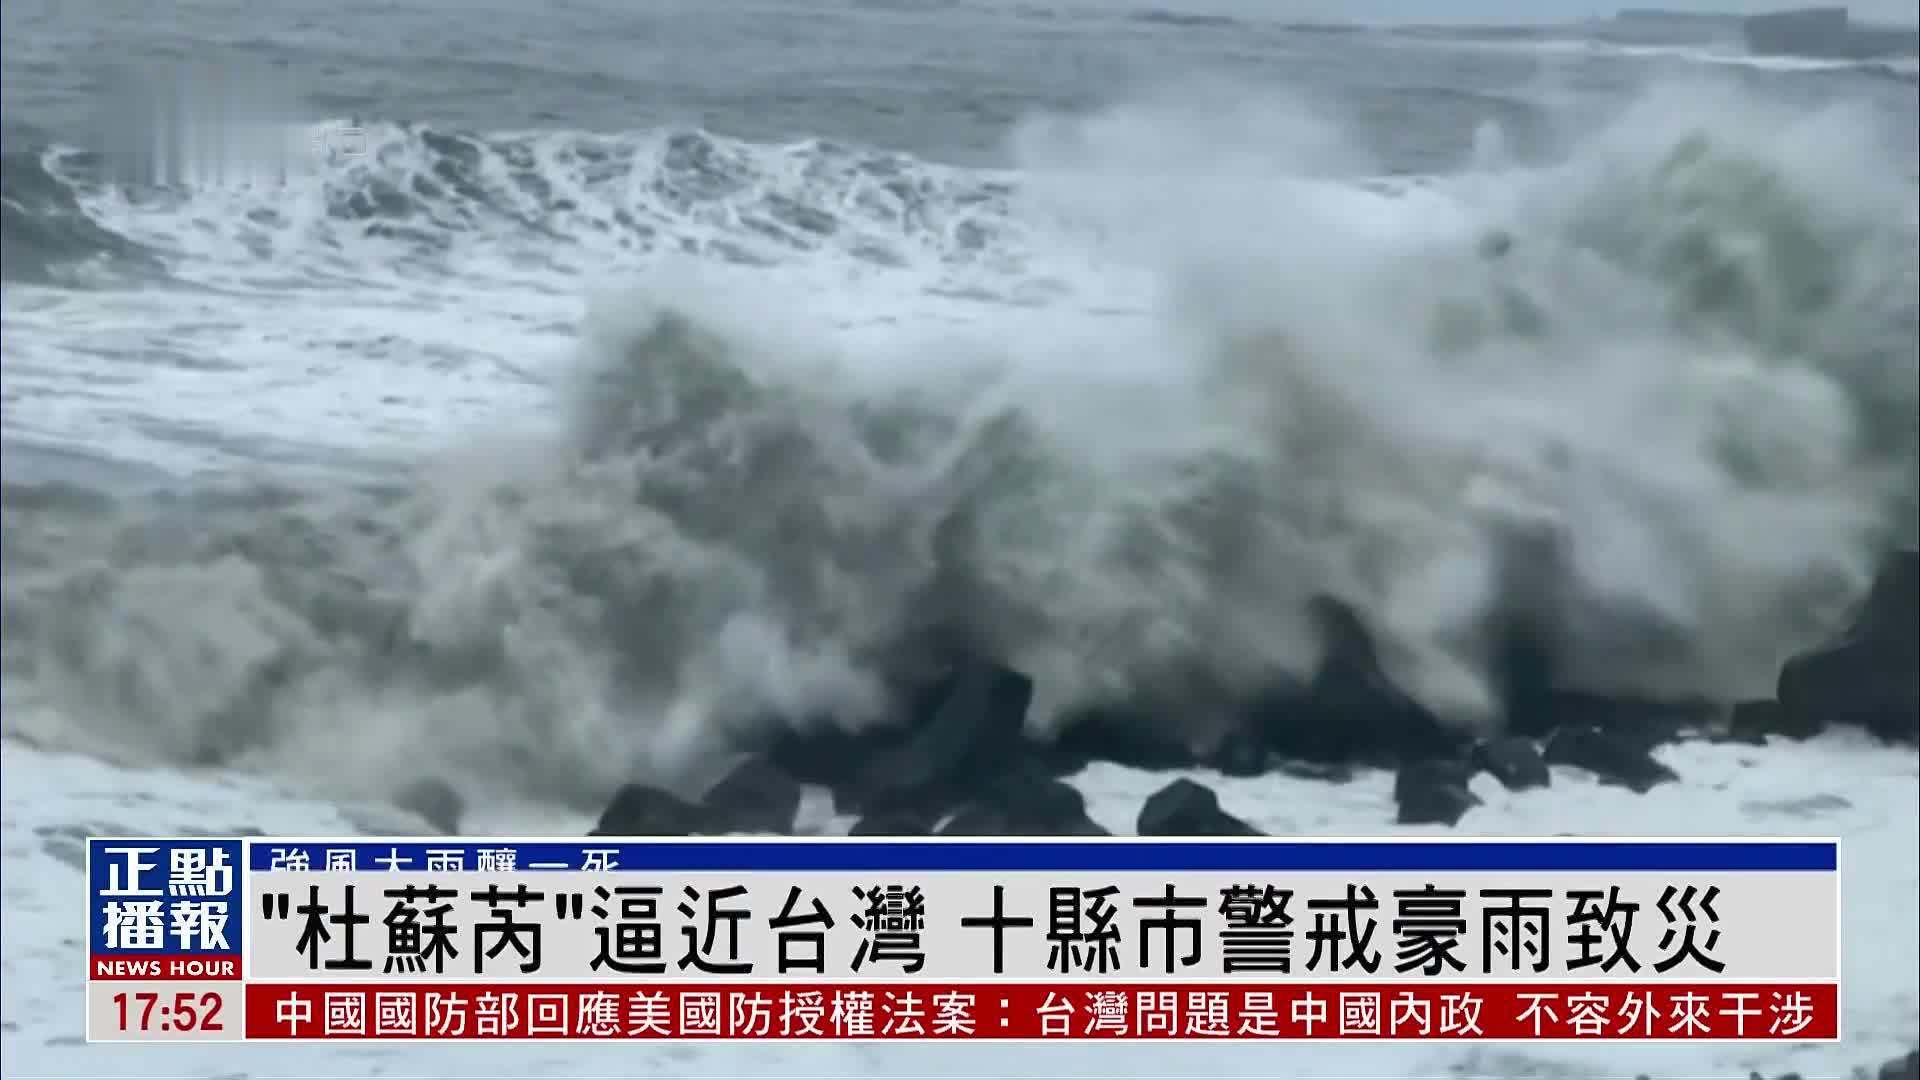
1432 11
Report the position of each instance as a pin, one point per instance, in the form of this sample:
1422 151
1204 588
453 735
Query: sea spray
1675 381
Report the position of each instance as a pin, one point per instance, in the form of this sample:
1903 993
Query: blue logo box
165 897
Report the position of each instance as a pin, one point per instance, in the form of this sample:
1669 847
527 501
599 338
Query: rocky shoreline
963 765
962 762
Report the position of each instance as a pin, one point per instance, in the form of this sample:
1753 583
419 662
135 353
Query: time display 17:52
183 1012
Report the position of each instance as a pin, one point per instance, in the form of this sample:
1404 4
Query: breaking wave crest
1669 382
413 201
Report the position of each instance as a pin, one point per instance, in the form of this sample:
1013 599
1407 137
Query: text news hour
478 947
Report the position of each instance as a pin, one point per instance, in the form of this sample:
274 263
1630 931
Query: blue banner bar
1375 856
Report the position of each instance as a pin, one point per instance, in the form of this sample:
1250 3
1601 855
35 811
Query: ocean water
541 399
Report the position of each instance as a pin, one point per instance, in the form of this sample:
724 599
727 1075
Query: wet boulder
1869 676
892 823
1754 721
1433 792
1025 801
1514 761
1184 808
955 733
1733 736
819 752
1613 758
756 796
1528 655
1643 722
1240 752
1131 737
1350 712
981 819
1521 664
639 810
1049 804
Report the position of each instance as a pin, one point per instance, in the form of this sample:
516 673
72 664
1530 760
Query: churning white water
1113 415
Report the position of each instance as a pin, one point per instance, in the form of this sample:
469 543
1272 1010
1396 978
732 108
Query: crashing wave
1674 367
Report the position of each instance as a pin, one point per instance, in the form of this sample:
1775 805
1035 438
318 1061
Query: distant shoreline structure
1816 32
1664 16
1825 32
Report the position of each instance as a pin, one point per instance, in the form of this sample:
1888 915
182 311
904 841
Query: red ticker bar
1799 1012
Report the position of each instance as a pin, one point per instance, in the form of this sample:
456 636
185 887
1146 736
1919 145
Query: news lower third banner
884 939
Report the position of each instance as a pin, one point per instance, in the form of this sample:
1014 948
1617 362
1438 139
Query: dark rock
1433 792
1614 758
1242 752
819 753
1644 722
1870 676
1350 712
1025 801
1283 715
1436 806
958 731
434 800
1134 738
1521 661
892 823
1902 1068
1041 800
1444 772
1755 720
1737 737
981 819
1525 660
1845 687
638 810
1514 761
1184 808
1037 804
755 797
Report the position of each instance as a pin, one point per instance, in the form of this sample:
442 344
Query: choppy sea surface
539 398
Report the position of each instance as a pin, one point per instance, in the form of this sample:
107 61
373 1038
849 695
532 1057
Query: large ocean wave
1661 393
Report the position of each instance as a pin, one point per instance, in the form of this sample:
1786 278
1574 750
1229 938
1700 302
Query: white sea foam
1114 423
1680 363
